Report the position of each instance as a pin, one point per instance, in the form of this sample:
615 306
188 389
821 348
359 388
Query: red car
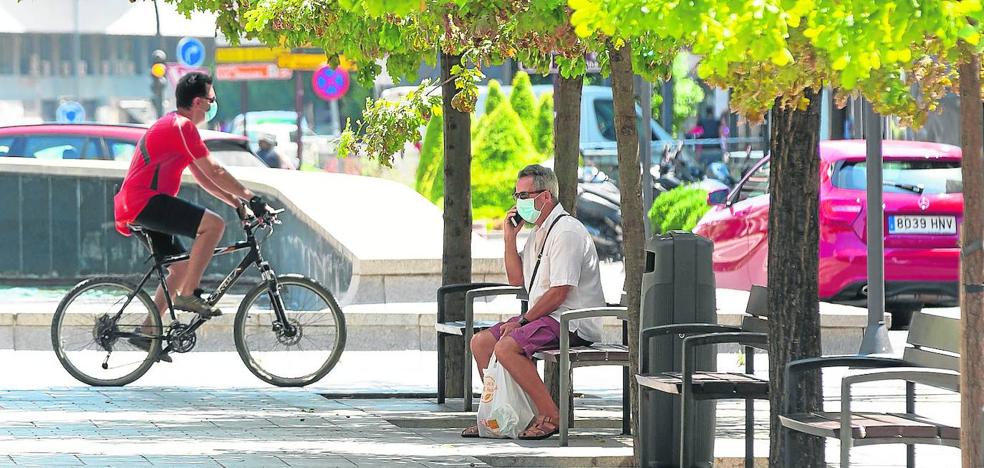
108 142
923 210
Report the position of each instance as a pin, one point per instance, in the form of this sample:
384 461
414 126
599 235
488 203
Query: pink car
923 210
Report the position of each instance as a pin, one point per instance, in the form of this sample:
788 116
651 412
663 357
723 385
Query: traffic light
158 83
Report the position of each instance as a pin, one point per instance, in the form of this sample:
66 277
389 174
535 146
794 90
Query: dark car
108 142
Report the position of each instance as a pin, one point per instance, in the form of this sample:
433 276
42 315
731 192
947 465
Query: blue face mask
527 210
213 109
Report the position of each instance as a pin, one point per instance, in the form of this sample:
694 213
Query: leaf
782 57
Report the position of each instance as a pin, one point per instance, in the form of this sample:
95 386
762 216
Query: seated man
559 269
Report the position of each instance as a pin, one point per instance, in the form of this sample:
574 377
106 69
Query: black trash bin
677 287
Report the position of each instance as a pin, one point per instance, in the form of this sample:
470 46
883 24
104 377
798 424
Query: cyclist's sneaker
197 305
143 343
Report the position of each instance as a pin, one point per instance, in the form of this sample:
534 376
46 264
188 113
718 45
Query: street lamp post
875 338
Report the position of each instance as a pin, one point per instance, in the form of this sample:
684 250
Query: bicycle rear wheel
94 329
293 356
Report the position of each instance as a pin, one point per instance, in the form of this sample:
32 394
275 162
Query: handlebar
267 217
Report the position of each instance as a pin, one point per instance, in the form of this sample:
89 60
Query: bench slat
933 359
934 331
458 327
720 383
868 425
601 352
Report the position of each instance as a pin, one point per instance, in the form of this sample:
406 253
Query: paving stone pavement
227 419
181 426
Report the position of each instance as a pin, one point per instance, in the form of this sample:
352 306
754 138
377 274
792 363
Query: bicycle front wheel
300 352
106 333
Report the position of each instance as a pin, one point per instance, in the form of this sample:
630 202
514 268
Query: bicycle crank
180 338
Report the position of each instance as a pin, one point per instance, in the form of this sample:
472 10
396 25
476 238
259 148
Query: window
6 143
121 150
54 146
756 185
605 119
233 153
925 176
94 149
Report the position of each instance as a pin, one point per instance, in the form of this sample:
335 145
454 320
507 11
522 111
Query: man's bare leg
482 345
176 273
209 232
523 370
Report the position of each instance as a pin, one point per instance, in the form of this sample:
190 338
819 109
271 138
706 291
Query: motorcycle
598 207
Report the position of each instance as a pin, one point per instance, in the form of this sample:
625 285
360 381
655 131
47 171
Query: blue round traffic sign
330 84
70 112
191 52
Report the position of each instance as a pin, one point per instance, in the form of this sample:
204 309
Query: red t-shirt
168 147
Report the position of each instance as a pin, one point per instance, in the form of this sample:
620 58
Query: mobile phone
515 219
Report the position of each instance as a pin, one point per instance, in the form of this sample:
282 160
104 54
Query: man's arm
206 183
221 177
549 302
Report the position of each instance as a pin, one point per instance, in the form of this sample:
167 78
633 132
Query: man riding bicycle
147 197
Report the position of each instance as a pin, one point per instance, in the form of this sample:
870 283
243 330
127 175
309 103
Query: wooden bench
464 328
561 362
692 385
931 357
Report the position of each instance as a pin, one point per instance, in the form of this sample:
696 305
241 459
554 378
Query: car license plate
922 225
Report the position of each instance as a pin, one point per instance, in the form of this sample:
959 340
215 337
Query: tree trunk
457 220
794 321
971 265
630 184
567 137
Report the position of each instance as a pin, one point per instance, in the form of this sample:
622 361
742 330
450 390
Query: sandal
470 433
542 427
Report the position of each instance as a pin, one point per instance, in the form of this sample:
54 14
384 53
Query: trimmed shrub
494 97
493 100
499 151
430 169
678 209
523 101
543 129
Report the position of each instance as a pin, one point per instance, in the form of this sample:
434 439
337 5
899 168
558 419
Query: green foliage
430 170
902 56
494 96
543 129
687 95
678 209
499 152
388 125
523 101
493 99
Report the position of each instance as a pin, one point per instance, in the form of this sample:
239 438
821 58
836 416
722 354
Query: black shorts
166 217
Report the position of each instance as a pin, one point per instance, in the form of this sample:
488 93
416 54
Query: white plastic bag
505 410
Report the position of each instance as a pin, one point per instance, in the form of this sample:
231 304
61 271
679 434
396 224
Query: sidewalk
189 413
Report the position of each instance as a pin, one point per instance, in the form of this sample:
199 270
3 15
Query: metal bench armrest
923 375
794 368
457 288
647 335
491 291
621 313
758 340
940 378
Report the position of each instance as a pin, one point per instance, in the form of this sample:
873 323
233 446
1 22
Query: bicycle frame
252 258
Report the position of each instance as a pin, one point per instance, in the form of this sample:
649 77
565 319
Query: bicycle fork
273 288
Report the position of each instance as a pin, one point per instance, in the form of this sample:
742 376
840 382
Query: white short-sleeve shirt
569 259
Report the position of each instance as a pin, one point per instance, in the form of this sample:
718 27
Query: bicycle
288 330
